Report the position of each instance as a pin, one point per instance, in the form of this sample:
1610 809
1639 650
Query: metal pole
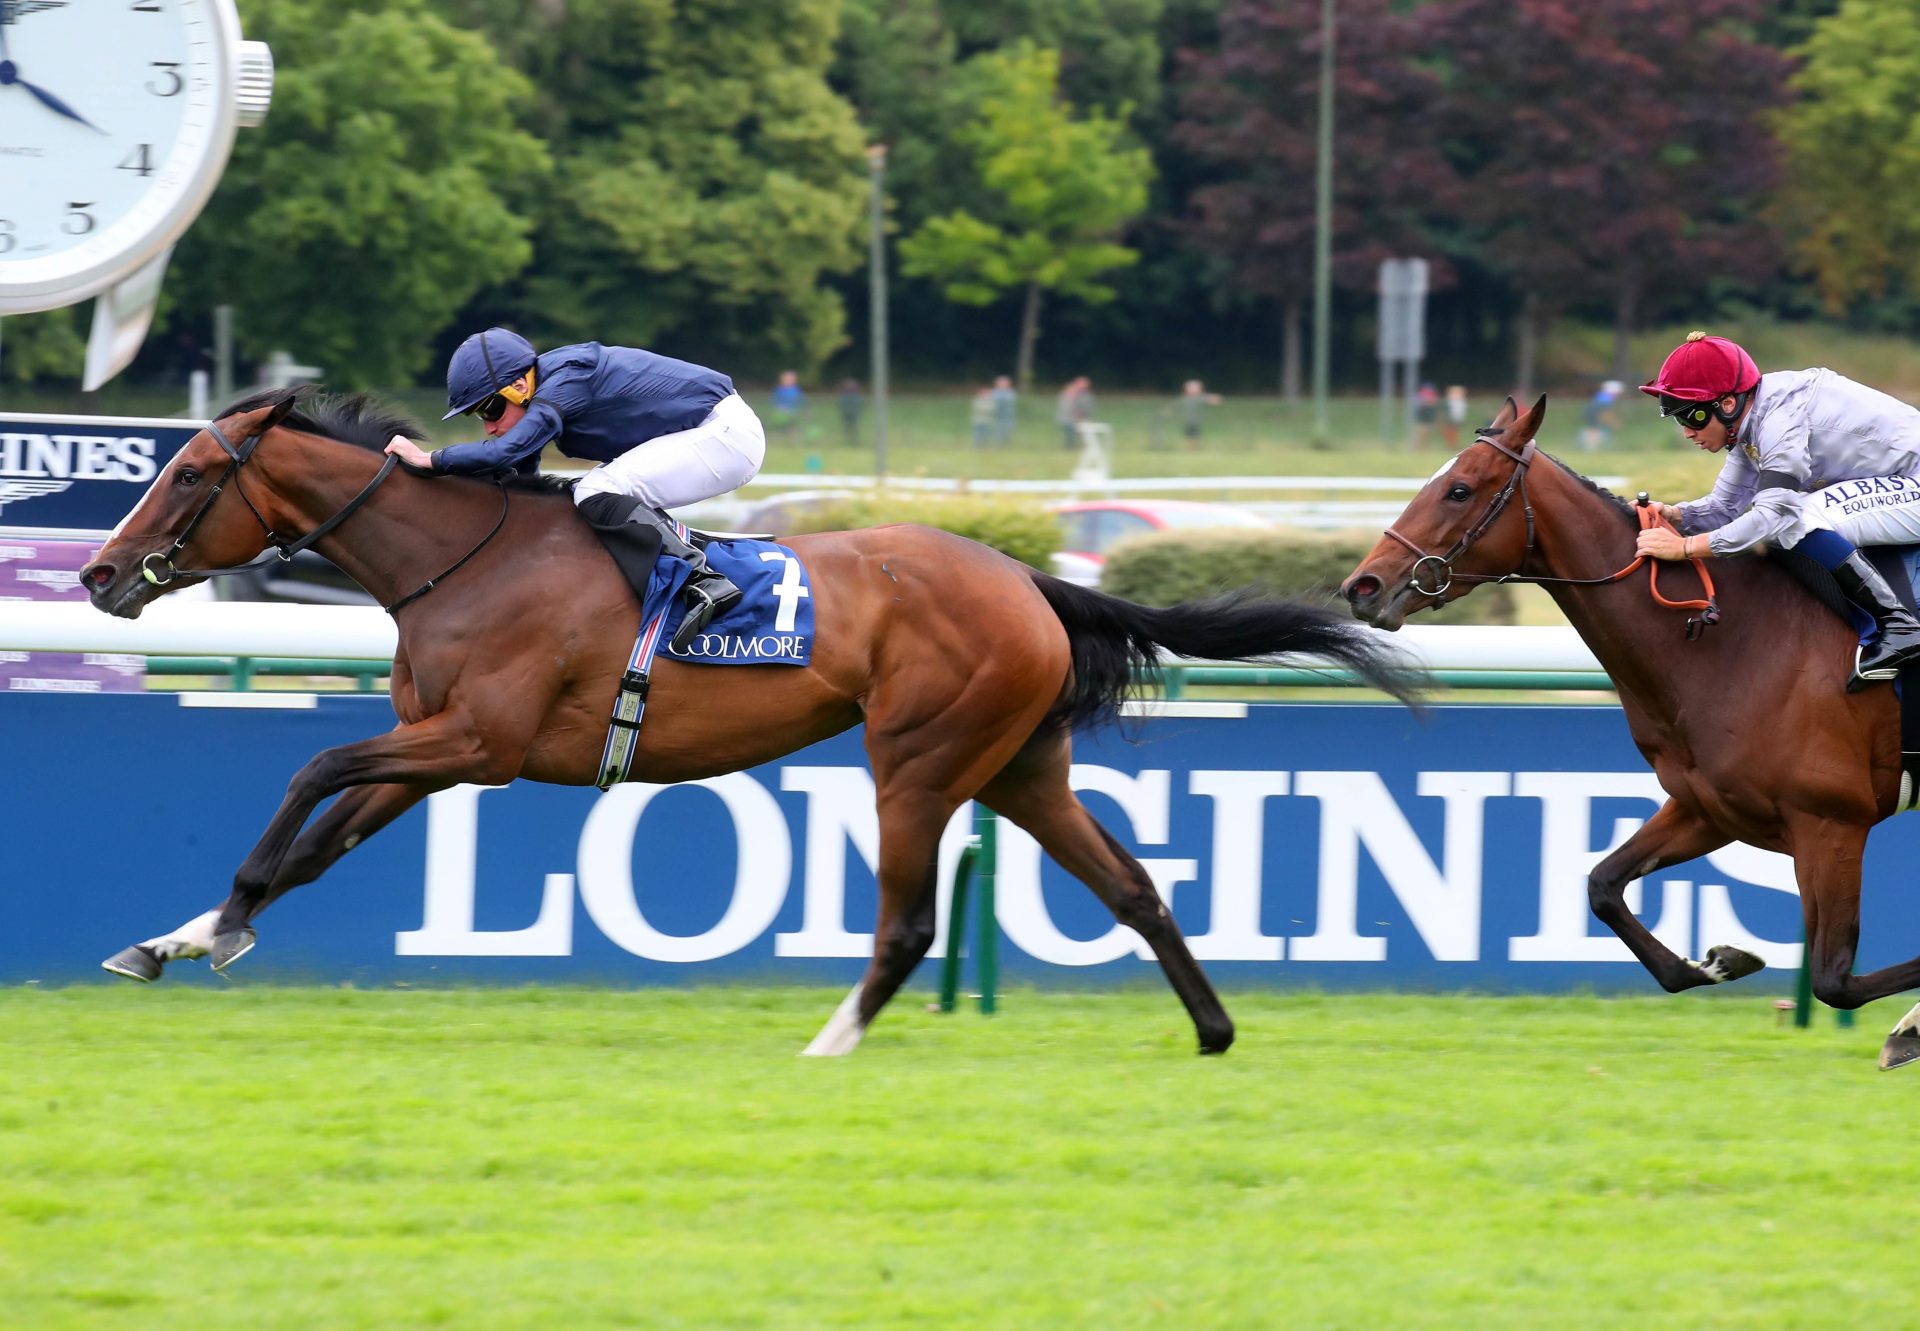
1323 230
877 296
986 824
223 354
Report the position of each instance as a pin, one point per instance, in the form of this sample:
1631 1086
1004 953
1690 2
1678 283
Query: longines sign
79 475
1322 845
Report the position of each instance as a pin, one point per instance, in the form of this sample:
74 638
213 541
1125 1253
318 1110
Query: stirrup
700 612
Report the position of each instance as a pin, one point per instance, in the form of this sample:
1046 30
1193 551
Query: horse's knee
1142 911
1836 989
906 940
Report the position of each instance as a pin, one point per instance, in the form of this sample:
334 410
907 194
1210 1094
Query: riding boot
1896 638
708 591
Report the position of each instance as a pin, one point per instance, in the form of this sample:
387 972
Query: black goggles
491 408
1692 415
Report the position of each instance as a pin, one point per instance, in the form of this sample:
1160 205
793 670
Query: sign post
1402 337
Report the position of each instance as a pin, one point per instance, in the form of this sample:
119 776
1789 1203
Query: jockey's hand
410 453
1660 543
1669 512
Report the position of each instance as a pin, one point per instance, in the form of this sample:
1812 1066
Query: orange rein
1651 517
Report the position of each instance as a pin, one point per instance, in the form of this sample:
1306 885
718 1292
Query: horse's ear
1506 416
280 411
1531 425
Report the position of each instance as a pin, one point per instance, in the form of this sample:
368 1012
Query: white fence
170 627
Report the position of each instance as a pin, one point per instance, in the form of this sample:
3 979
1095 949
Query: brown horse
968 668
1710 714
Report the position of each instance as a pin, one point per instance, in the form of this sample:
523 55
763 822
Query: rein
1444 575
159 569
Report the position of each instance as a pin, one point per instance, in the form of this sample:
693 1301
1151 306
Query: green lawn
540 1158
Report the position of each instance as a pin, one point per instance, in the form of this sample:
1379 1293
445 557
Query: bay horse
1708 714
969 669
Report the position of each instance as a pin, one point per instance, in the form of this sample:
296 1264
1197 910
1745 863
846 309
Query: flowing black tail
1112 639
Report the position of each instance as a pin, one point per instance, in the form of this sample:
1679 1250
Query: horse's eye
186 476
1459 493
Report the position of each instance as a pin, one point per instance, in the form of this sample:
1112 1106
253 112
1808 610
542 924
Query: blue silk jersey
595 402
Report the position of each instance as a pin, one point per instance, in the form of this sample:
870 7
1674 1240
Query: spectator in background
850 405
1074 407
1426 410
1602 416
1005 401
1456 416
788 402
982 416
1194 400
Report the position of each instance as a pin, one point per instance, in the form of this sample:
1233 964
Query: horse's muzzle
1372 603
114 591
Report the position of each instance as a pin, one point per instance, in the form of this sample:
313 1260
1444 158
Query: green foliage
1022 530
706 176
34 346
1061 185
1170 567
1852 142
353 226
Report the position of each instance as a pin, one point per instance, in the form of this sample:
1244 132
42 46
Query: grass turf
309 1158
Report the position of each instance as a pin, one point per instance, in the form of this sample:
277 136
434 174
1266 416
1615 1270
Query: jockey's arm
538 428
1775 475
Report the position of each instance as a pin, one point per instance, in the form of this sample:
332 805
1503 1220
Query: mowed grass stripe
302 1158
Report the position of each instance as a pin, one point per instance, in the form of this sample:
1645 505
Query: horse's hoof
1898 1051
136 963
1216 1042
1725 963
229 948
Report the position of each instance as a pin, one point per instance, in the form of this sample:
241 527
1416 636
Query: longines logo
11 489
76 457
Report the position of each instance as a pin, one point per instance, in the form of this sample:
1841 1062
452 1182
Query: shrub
1184 566
1018 528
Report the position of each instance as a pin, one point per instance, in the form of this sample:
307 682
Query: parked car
1089 528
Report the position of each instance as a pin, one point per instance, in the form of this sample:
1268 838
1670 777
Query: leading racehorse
1749 725
968 668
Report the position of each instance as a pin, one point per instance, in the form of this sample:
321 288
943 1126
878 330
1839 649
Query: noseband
158 568
1442 565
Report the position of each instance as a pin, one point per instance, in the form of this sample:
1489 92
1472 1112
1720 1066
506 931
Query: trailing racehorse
1749 725
968 669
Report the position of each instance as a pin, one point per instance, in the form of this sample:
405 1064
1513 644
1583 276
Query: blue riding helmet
483 365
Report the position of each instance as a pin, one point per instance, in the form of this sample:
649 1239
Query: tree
1062 185
1611 148
353 226
1250 111
706 177
1852 144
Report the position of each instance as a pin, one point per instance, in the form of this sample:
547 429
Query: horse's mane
363 420
1627 512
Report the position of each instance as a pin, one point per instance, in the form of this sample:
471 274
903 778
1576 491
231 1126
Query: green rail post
956 923
977 856
986 830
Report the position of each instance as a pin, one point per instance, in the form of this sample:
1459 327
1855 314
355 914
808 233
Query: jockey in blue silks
664 432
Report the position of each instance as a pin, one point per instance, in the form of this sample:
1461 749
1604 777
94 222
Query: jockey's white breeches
721 453
1875 510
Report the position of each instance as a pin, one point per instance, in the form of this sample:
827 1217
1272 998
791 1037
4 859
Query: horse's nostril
99 576
1363 588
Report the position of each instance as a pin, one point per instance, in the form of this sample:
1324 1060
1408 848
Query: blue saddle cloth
771 623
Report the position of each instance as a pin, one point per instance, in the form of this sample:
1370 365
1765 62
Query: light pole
1323 230
877 297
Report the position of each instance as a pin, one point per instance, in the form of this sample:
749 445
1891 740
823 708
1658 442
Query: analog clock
116 118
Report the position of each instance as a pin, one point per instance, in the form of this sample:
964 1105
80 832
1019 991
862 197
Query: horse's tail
1112 639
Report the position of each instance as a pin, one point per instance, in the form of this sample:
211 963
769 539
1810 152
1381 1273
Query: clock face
115 119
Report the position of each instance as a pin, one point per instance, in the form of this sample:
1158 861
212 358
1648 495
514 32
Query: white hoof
1909 1024
841 1034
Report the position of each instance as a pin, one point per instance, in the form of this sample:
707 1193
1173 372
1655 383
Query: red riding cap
1704 369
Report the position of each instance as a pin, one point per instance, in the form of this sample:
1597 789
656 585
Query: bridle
1444 576
159 569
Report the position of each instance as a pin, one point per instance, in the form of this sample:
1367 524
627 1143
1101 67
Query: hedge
1014 527
1183 566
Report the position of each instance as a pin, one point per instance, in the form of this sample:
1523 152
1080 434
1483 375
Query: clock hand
9 74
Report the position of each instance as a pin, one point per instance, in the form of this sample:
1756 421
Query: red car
1091 527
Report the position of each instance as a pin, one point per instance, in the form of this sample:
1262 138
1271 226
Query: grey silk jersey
1818 428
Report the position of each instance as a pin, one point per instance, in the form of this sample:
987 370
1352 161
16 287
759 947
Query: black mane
363 420
1628 511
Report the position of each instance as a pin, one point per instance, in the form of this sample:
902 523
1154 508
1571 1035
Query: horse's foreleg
356 815
1672 836
442 750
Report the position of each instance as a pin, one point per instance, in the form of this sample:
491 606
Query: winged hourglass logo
12 488
13 9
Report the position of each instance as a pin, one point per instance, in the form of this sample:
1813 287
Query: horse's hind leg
1033 792
908 876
